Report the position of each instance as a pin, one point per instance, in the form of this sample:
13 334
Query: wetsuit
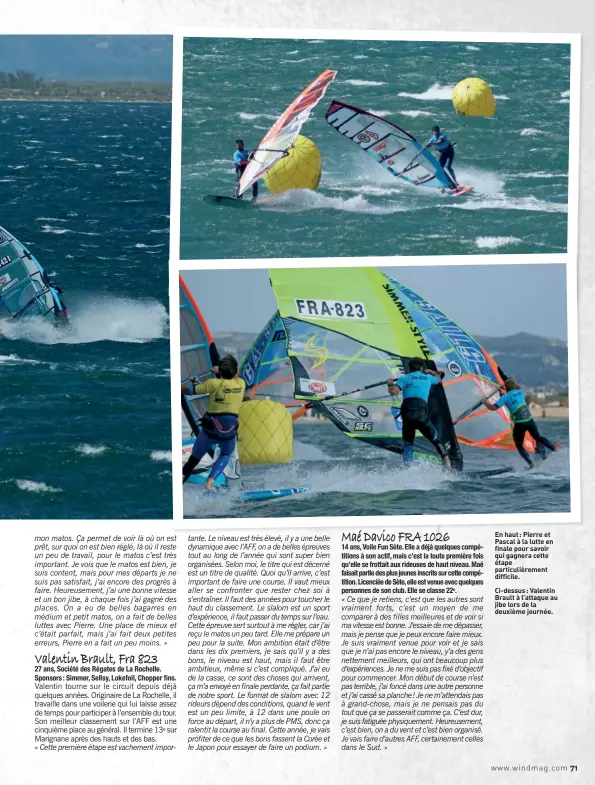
219 425
241 160
447 155
523 423
415 416
60 314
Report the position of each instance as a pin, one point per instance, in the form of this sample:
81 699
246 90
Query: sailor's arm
392 387
192 388
491 406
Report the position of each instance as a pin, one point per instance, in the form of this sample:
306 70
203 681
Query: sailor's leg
226 448
238 178
201 447
408 439
429 431
445 162
255 190
518 435
407 454
451 171
539 439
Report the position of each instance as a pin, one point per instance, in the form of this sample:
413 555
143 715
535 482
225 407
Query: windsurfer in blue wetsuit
61 314
415 388
241 159
220 423
444 146
522 419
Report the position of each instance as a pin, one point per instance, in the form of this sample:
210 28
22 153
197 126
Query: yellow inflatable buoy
265 433
473 97
301 168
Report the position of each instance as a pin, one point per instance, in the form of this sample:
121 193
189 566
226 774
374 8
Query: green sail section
347 329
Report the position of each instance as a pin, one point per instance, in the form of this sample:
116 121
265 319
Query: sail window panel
437 342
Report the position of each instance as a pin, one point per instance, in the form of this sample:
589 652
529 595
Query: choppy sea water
85 414
517 162
354 479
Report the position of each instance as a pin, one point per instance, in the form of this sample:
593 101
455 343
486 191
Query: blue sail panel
25 288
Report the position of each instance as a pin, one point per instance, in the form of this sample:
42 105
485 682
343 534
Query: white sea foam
415 113
529 203
532 132
436 92
248 116
363 83
299 200
98 318
161 455
90 449
473 48
540 175
54 230
14 359
496 242
36 487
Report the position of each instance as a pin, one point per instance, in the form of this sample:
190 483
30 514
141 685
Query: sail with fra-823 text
345 336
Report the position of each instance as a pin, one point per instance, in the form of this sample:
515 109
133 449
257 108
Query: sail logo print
330 309
5 260
343 415
363 427
316 387
409 319
6 282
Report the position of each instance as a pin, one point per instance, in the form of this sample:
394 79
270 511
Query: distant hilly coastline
537 363
92 92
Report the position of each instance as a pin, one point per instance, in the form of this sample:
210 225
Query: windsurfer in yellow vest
241 159
220 423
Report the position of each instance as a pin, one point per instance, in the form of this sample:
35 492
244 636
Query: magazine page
290 485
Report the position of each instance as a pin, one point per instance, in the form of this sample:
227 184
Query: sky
93 58
486 300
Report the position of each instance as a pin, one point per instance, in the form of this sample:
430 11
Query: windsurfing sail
281 136
347 330
25 289
198 355
470 372
266 368
395 149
